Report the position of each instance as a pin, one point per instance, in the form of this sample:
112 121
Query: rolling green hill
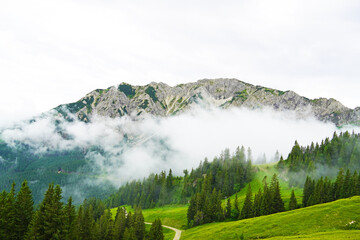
324 221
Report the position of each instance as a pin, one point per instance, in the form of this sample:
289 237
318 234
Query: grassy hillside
312 222
269 170
333 235
175 215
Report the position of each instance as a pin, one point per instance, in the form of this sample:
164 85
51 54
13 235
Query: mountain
160 99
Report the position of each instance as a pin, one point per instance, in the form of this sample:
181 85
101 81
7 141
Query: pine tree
24 210
228 209
139 224
293 202
163 199
247 210
338 184
69 220
129 234
265 206
3 213
235 212
33 232
257 203
120 223
106 225
156 232
346 186
191 212
277 204
10 214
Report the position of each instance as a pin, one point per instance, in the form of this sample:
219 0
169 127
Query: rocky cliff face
162 100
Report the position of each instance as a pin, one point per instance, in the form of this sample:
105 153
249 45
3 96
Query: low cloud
134 149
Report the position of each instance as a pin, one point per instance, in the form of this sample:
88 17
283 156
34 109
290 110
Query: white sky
54 52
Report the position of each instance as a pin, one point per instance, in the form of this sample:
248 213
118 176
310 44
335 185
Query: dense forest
227 172
342 151
66 168
324 190
53 219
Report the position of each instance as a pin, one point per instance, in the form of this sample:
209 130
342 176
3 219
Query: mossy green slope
328 217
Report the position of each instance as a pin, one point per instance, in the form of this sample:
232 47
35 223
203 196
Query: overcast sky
54 52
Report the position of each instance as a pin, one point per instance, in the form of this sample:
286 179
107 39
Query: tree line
324 190
342 151
53 219
206 206
229 172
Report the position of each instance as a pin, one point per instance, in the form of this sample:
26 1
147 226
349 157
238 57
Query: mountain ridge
160 99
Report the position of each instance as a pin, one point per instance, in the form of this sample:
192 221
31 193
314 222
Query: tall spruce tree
156 232
228 208
293 201
265 206
69 220
247 210
24 210
257 203
3 213
10 214
277 204
120 223
235 212
139 224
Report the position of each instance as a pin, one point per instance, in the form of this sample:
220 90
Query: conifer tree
228 209
338 184
257 203
3 214
163 198
139 224
192 210
247 210
346 186
106 225
277 204
69 220
10 214
235 212
120 223
33 232
24 210
293 201
156 232
129 234
265 206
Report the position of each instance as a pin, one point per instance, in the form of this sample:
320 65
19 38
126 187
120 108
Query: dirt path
177 231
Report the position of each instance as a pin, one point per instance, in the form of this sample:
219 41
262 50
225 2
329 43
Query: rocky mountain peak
160 99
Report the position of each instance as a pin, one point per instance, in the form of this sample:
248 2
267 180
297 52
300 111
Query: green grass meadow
316 222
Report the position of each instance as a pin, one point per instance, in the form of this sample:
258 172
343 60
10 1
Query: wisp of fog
134 149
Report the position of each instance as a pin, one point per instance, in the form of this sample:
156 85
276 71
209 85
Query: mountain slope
335 216
160 99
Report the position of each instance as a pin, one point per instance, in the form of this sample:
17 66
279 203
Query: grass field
334 235
172 215
325 221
